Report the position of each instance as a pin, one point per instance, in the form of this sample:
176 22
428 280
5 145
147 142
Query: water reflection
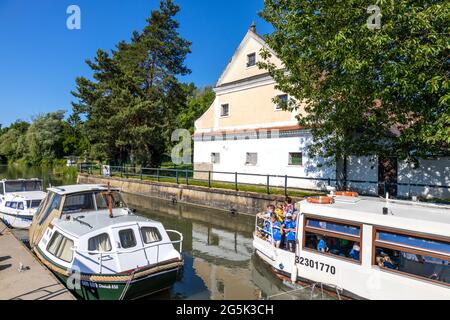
219 259
49 175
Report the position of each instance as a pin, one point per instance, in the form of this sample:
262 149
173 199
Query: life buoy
346 193
321 200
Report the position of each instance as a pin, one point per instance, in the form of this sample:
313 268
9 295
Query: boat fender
294 274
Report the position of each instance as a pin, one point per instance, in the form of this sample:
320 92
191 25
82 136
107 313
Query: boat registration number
316 265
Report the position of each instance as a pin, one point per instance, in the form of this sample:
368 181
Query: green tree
131 106
199 100
13 143
45 138
383 91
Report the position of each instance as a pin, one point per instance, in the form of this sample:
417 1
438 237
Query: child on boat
275 230
288 206
280 213
354 253
289 228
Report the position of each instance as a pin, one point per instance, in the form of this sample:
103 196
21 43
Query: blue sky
40 58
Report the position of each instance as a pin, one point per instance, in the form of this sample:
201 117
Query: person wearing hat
290 228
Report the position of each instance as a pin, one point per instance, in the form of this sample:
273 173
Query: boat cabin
367 247
20 185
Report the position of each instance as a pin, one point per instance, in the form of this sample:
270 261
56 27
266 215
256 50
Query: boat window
54 203
150 235
33 204
21 186
13 205
61 247
333 238
102 200
334 227
127 238
8 204
20 206
78 203
100 243
414 242
418 256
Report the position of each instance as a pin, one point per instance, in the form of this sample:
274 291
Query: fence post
268 184
157 174
121 171
176 172
236 181
329 182
209 179
285 185
101 171
187 177
141 174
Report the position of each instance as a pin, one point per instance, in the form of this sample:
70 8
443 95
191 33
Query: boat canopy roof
421 217
84 223
26 195
77 188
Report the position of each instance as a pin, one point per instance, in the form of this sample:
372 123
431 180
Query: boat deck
35 282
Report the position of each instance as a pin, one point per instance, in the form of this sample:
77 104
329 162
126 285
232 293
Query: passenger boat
89 238
19 200
365 248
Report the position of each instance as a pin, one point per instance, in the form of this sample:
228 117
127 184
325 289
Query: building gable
237 68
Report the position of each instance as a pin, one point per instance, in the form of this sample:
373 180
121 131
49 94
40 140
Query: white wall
273 159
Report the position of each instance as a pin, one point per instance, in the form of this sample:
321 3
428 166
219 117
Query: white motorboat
364 248
19 201
86 234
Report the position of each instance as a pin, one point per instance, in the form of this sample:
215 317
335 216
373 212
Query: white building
244 131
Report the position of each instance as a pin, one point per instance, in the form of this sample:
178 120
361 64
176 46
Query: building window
215 158
251 60
333 238
251 159
282 102
225 110
413 255
295 159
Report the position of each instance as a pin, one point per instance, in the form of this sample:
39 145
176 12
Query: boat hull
16 221
142 287
144 282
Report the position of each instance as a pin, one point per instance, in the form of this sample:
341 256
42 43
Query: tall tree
131 107
367 91
45 138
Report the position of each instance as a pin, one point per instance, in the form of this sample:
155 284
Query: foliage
366 92
199 100
130 108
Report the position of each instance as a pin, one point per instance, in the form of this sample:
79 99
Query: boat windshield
102 201
22 186
91 201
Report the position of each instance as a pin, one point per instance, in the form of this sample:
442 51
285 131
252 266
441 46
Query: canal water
220 262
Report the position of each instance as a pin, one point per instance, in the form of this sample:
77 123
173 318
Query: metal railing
119 252
265 183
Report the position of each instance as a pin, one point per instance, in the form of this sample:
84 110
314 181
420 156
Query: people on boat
354 253
275 230
290 228
322 245
288 206
385 261
280 213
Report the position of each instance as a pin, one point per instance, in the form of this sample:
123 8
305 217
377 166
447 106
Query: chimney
253 27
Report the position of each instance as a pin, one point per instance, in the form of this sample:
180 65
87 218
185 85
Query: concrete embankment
242 202
33 281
